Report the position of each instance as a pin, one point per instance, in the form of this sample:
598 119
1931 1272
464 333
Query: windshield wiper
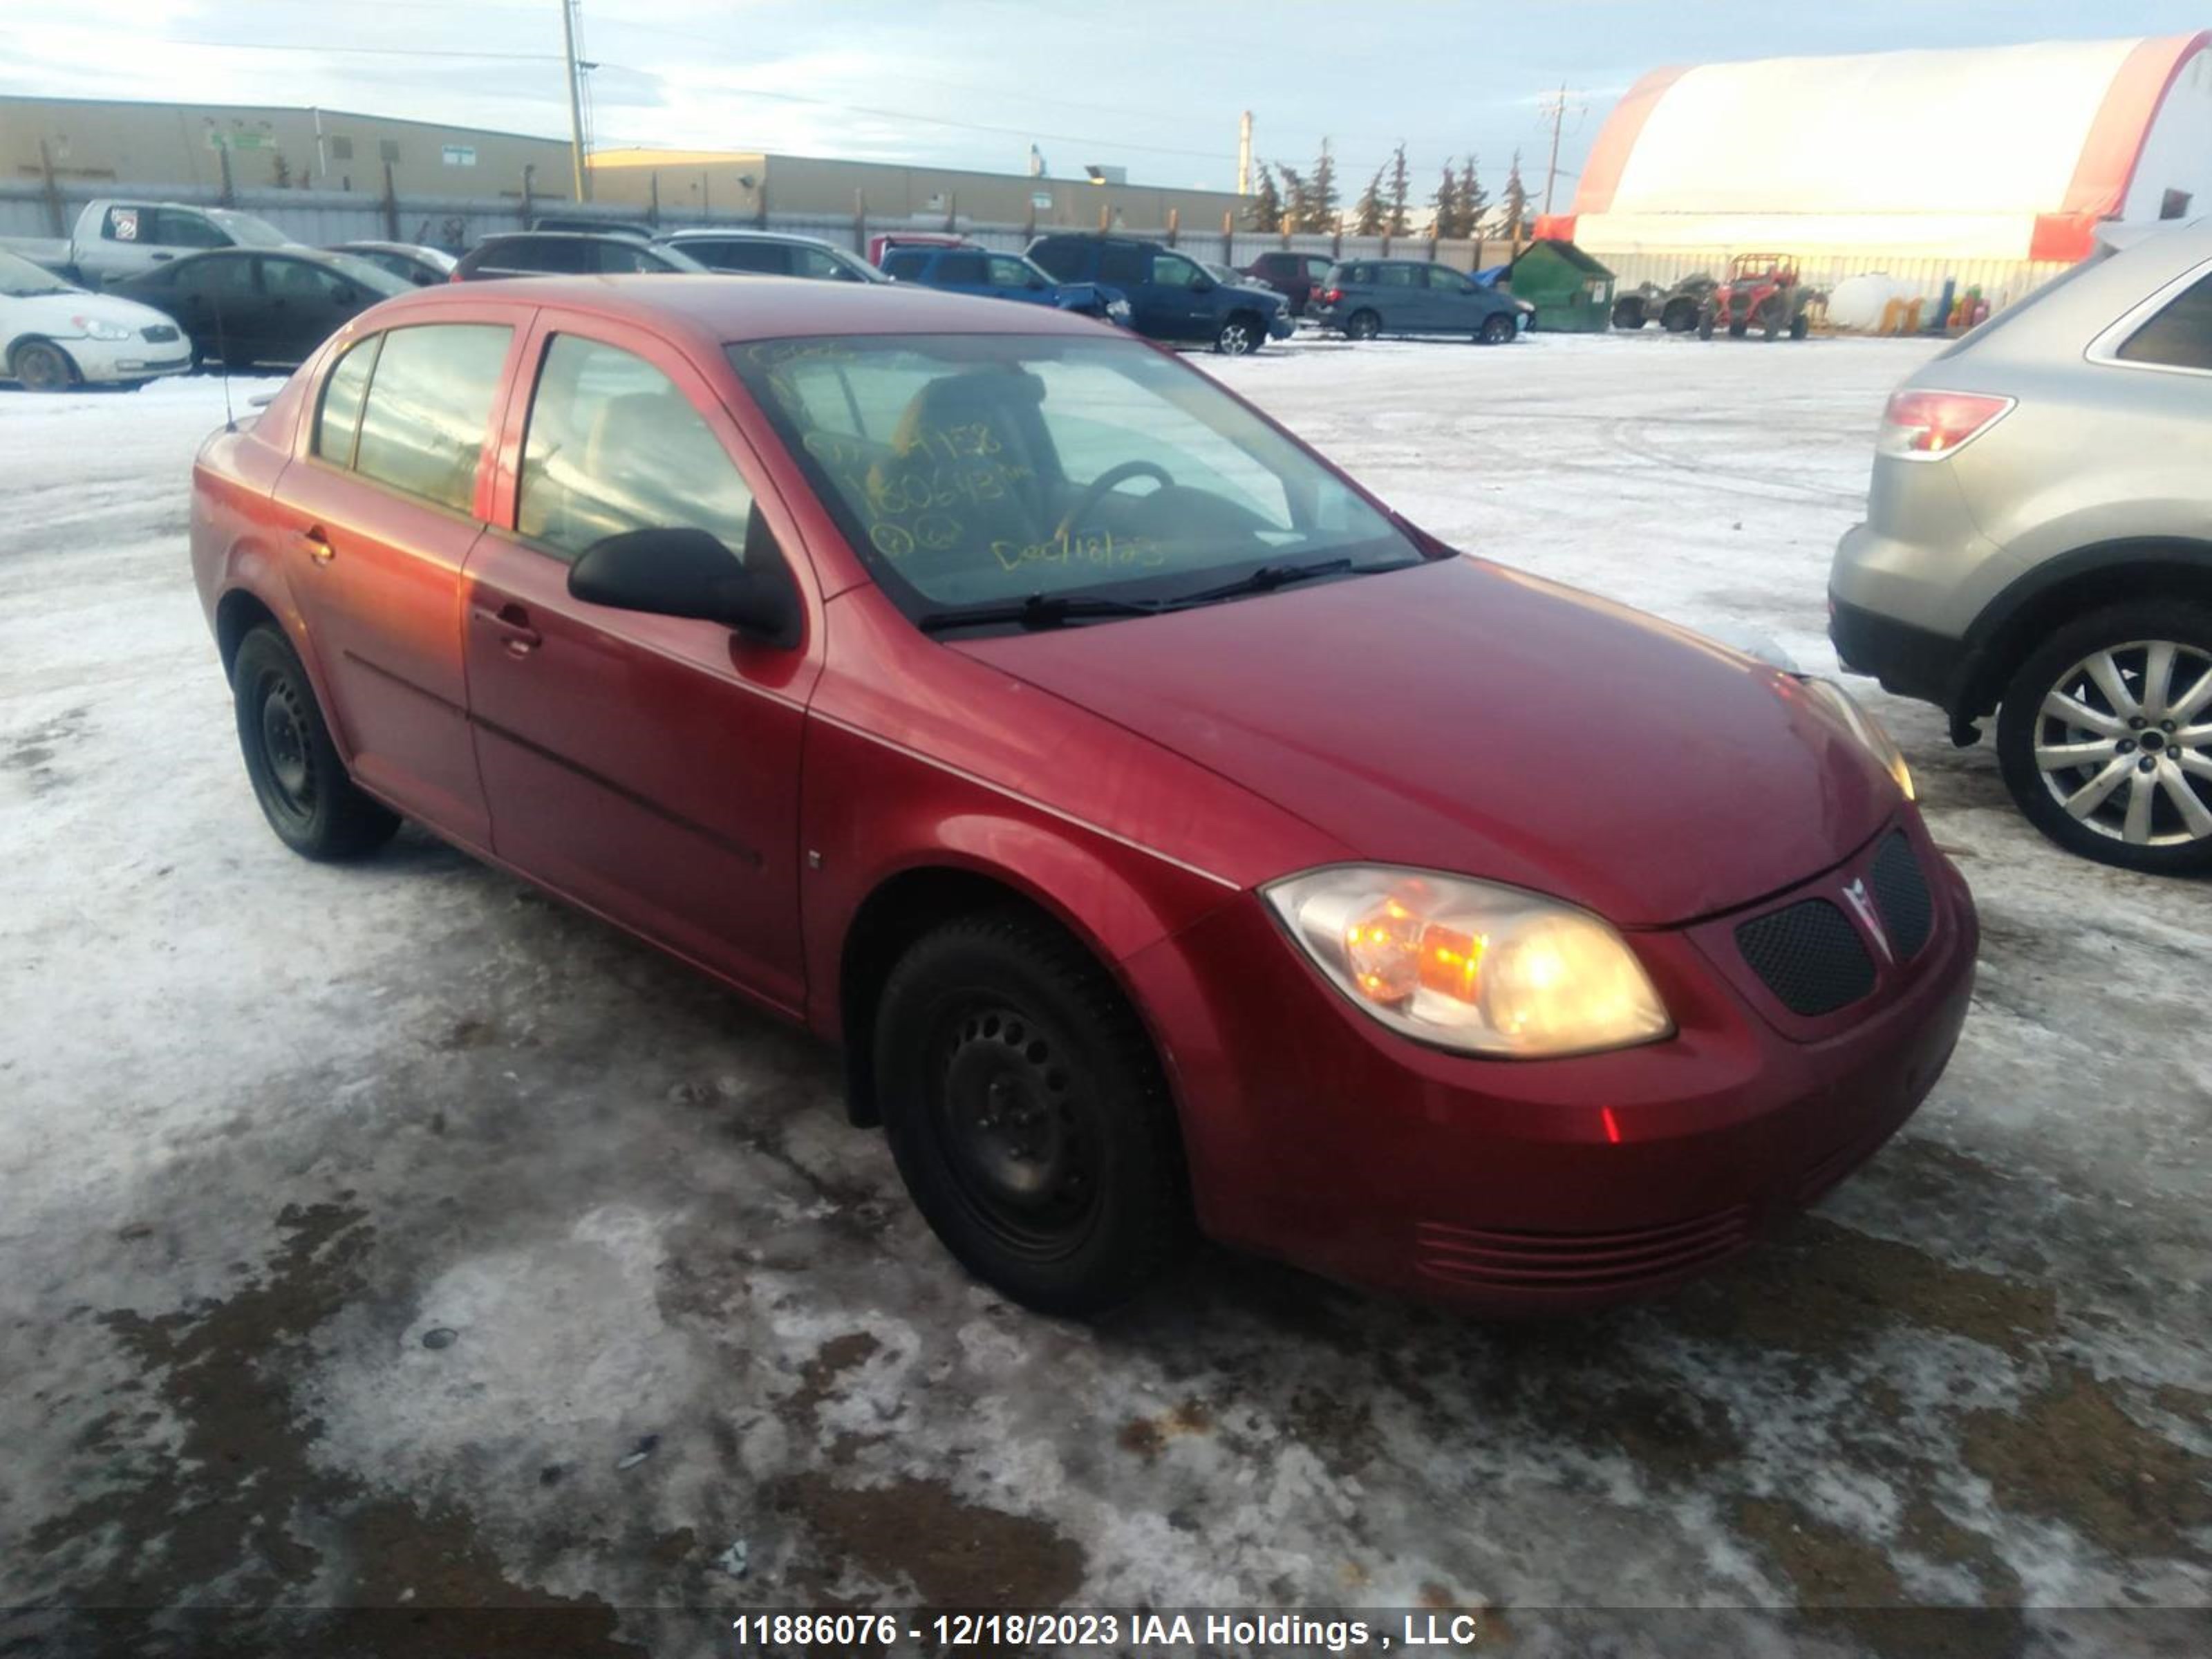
1037 610
1269 577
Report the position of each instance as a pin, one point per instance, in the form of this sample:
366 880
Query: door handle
511 624
315 542
163 258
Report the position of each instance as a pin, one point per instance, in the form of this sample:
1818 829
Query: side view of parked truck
115 238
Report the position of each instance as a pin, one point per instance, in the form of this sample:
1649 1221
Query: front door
385 512
647 766
218 304
1179 310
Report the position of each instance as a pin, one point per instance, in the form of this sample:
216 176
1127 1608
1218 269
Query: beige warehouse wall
91 140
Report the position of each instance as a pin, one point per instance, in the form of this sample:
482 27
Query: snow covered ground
360 1227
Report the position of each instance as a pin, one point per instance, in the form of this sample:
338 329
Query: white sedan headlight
1470 965
1864 727
99 328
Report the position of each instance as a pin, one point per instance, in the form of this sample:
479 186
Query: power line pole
1244 154
1557 108
576 100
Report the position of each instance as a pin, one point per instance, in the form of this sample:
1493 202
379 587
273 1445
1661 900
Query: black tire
1362 325
1496 329
1680 315
1029 1115
1771 320
2147 735
1800 327
1739 328
1629 315
314 807
1705 323
42 366
1241 335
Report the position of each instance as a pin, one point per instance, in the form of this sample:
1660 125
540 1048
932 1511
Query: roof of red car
729 308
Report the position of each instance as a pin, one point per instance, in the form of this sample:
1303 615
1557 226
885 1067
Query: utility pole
1557 108
1244 154
575 100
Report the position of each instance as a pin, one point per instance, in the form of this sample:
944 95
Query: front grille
1809 956
159 333
1901 892
1578 1261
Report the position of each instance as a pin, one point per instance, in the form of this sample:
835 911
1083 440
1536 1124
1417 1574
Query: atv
1675 308
1762 289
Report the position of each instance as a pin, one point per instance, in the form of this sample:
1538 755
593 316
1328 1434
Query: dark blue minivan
1367 297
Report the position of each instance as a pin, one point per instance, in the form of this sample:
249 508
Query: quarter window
613 445
2180 336
428 409
337 423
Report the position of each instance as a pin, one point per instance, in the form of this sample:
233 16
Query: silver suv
2039 542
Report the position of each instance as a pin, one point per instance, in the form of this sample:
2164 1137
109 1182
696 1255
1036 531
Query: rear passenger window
613 445
2180 336
338 421
1398 276
1118 267
429 409
965 268
768 258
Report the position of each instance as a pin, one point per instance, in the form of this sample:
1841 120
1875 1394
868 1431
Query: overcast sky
1152 85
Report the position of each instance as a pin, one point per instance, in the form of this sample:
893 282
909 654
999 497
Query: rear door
384 509
647 766
219 304
1400 296
305 303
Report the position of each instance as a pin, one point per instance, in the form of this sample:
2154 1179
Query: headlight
98 329
1865 727
1470 965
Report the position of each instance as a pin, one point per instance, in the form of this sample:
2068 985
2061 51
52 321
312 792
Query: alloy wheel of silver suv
2106 736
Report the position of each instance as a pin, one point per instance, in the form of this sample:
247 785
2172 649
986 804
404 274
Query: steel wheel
2124 742
287 756
1010 1113
44 367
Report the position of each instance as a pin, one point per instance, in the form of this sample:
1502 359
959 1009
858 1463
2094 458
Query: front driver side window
613 445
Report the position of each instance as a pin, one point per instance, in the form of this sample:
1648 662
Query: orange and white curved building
1999 153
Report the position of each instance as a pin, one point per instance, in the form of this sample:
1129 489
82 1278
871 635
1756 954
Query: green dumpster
1571 291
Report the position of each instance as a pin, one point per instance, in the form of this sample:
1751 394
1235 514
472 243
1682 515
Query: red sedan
1178 840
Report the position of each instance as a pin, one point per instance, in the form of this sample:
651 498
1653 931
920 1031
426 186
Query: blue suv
1171 295
1001 276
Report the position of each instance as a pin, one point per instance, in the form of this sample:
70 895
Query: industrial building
727 182
2011 154
89 141
81 144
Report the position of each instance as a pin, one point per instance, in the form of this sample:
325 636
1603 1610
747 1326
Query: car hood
54 313
1464 717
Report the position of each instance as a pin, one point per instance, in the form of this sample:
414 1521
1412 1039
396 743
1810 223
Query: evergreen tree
1446 204
1370 215
1394 223
1298 197
1514 206
280 171
1264 210
1322 202
1474 200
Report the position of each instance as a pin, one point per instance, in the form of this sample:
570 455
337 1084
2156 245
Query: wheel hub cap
2124 742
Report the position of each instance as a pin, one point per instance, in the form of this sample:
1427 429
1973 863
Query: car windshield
248 231
20 279
976 472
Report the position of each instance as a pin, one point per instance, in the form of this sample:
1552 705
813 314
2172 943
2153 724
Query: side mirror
691 573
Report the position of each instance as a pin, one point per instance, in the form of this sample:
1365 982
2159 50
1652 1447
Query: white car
54 335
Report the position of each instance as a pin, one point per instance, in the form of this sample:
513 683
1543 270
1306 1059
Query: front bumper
1316 1135
103 362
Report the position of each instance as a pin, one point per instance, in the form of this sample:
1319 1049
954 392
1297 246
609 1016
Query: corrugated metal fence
2001 281
321 216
